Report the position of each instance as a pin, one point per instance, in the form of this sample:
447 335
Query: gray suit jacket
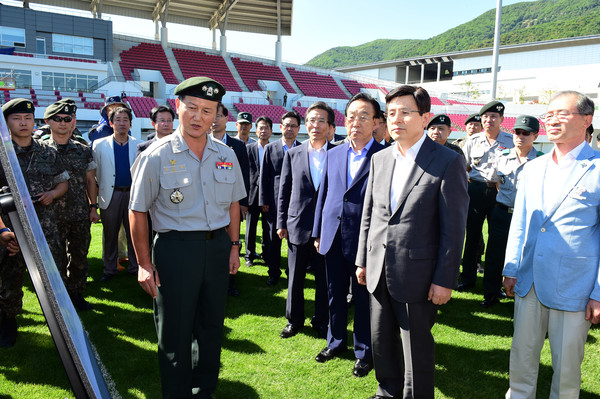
421 241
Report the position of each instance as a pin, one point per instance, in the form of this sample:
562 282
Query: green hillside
521 23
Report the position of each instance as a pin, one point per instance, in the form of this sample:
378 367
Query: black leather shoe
8 332
289 331
80 303
465 287
234 292
501 295
272 281
106 277
379 397
249 262
489 302
362 368
326 355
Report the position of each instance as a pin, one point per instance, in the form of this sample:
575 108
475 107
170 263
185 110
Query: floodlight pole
496 48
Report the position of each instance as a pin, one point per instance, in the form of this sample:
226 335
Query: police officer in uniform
191 184
46 180
472 126
510 165
78 208
481 152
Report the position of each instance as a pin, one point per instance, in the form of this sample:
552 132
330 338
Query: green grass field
471 358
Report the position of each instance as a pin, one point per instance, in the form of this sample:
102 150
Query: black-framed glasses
523 133
59 119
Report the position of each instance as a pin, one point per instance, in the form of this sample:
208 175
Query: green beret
71 102
244 117
473 118
201 87
59 107
441 119
18 106
528 123
492 106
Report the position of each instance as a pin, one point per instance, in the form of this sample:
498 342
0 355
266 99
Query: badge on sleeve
176 196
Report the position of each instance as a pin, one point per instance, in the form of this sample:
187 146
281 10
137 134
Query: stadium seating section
146 56
142 106
275 112
197 63
251 72
339 117
316 85
43 98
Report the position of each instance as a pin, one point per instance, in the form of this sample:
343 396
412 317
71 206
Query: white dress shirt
261 151
401 168
355 161
316 161
557 174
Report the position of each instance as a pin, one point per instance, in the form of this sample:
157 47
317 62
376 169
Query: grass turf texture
472 346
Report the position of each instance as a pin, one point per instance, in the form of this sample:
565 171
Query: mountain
521 23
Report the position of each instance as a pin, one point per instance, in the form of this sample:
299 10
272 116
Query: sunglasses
523 133
62 119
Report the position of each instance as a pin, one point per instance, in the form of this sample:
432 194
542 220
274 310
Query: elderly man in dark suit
268 190
336 228
301 176
256 150
410 244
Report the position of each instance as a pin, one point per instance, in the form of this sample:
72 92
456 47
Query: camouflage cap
528 123
59 107
492 106
201 87
244 117
441 119
18 106
473 118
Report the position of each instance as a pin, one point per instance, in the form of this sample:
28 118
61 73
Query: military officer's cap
528 123
60 107
201 87
18 106
492 106
473 118
71 102
244 117
441 119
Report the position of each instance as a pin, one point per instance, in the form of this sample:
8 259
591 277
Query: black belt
504 207
488 184
122 188
195 235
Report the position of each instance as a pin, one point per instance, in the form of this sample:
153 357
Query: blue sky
318 25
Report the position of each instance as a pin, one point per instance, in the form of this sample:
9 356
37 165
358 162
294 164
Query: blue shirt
122 173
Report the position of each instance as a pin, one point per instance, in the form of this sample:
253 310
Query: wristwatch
94 206
238 243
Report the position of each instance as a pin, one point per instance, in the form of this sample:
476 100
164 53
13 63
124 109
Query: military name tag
176 196
225 165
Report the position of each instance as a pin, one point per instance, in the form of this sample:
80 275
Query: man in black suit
268 189
337 221
410 244
162 118
218 132
264 129
301 177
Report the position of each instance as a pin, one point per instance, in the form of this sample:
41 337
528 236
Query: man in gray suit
410 244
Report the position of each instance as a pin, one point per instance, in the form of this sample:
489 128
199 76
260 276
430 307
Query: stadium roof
256 16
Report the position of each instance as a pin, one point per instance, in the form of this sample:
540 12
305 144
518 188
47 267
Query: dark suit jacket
420 242
239 147
253 173
268 187
141 147
297 195
339 207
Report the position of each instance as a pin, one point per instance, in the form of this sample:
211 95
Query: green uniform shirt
182 192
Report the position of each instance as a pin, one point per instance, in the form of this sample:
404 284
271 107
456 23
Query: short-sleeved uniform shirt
482 157
182 192
509 170
79 160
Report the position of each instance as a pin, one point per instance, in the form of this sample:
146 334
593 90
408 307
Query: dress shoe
501 295
289 331
489 302
362 368
249 262
462 287
234 292
272 281
379 397
106 277
8 332
80 303
327 354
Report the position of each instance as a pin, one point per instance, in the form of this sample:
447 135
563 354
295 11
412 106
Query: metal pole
496 48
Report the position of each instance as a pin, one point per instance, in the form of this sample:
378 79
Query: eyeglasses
315 121
289 126
523 133
403 113
62 118
164 121
562 115
360 118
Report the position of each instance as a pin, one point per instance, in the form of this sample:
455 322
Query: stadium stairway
173 63
342 86
291 82
235 74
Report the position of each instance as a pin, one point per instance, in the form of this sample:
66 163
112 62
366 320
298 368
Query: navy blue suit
239 147
254 210
295 212
337 225
268 195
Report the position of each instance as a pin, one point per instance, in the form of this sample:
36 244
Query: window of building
68 81
13 37
72 44
22 77
40 45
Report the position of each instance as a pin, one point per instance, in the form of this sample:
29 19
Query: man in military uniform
439 129
46 180
244 125
191 184
78 208
510 165
472 126
482 151
43 133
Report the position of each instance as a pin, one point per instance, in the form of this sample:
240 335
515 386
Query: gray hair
583 103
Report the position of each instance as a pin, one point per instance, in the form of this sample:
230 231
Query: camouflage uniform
42 170
72 212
